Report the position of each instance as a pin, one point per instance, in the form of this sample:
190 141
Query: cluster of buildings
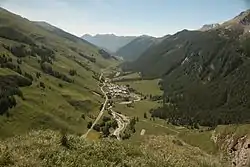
117 90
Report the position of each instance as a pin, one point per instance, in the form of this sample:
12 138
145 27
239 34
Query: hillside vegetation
47 77
205 75
50 148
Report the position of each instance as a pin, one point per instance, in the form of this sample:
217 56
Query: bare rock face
243 18
207 27
240 21
241 152
237 149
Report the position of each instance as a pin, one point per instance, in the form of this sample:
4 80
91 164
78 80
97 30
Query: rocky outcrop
241 152
207 27
236 149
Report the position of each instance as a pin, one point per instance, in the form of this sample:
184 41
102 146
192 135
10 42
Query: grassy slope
48 148
200 139
49 108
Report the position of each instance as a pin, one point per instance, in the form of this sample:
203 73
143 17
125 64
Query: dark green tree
89 124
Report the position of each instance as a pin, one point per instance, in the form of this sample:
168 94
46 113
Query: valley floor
146 126
174 145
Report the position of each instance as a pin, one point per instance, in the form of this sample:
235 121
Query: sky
127 17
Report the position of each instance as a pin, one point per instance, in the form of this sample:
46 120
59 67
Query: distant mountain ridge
109 42
135 48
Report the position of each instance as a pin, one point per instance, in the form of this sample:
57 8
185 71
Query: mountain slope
205 74
50 75
62 33
110 42
49 148
135 48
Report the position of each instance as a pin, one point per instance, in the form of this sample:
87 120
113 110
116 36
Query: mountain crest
207 27
243 18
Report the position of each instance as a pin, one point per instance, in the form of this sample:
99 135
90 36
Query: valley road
102 109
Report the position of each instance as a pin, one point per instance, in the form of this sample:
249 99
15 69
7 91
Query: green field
129 76
146 87
138 108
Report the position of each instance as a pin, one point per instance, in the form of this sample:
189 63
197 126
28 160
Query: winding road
129 102
122 122
102 109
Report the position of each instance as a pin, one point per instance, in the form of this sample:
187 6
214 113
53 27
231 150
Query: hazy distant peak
105 35
87 35
110 42
145 36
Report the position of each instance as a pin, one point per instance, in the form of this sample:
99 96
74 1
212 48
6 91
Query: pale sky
126 17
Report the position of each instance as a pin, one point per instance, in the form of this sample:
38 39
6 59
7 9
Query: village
120 92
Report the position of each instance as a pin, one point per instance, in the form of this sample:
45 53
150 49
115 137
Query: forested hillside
205 74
